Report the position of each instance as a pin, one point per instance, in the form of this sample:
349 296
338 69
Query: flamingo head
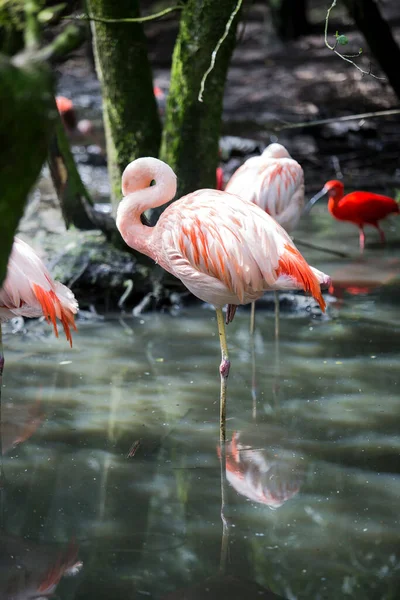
275 151
142 172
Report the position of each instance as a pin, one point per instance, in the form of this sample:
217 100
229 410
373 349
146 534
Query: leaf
342 39
51 13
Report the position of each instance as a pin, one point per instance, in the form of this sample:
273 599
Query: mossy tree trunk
27 115
192 128
379 37
289 18
131 120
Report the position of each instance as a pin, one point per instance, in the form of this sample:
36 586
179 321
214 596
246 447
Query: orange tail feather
295 266
51 305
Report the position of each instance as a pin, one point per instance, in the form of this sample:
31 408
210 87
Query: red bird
360 208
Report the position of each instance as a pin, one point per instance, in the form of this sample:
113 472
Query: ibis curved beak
313 200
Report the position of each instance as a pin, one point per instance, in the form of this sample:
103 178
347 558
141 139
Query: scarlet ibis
360 208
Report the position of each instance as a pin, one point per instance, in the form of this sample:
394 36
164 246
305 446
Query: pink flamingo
67 112
275 182
224 249
30 291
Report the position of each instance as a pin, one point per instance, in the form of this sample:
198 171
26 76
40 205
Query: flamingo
30 291
360 208
224 249
275 182
66 108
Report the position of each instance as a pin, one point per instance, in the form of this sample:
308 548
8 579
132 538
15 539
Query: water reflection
218 587
113 444
30 570
18 422
266 475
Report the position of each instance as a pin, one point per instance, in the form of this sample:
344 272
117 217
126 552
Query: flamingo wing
227 250
242 182
280 190
30 291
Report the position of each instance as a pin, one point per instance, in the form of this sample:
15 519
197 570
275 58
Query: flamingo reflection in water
19 421
262 475
30 570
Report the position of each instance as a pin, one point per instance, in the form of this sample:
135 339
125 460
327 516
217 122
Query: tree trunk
25 127
379 38
289 18
131 120
192 128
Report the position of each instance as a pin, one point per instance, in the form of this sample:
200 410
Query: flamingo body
274 182
360 208
30 291
225 249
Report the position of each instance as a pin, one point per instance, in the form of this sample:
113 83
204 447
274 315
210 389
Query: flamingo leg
253 376
381 234
1 358
252 318
276 315
224 372
362 239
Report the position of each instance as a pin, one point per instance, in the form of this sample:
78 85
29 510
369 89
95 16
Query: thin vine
158 15
216 49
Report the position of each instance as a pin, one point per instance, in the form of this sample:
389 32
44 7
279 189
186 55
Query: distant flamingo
66 109
223 248
30 291
360 208
275 182
84 127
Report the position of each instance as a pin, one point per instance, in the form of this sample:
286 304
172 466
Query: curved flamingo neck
140 196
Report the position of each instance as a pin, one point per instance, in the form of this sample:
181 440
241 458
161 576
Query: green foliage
131 120
25 127
341 39
50 14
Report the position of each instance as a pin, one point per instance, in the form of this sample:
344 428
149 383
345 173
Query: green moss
192 128
131 120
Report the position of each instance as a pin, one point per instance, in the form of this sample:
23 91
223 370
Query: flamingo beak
313 200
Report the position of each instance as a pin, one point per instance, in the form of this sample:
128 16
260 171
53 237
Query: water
111 469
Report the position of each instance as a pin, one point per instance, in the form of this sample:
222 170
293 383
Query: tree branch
345 57
32 31
158 15
368 115
68 40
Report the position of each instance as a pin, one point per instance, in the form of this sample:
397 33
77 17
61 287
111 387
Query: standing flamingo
360 208
224 249
30 291
275 182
